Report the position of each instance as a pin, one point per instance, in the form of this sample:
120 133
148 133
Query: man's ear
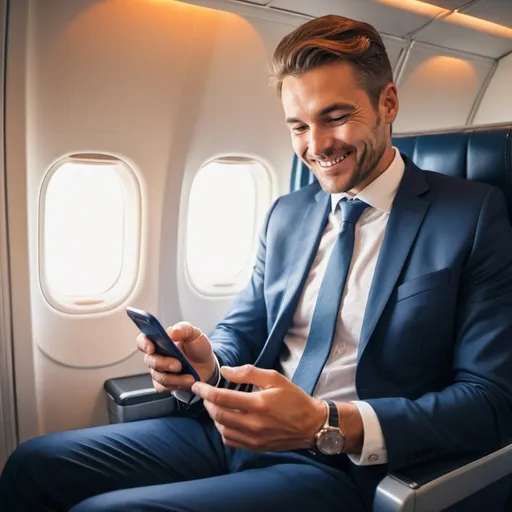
389 103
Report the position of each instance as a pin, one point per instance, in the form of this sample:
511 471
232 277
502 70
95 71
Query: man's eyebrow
326 110
290 120
336 106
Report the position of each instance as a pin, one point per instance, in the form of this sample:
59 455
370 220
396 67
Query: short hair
330 39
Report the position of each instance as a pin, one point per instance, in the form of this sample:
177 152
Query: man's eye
337 119
299 129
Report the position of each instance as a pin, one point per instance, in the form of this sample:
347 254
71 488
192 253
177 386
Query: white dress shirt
337 380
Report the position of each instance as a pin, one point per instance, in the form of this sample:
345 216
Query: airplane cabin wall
496 105
163 86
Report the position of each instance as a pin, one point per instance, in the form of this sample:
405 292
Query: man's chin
334 187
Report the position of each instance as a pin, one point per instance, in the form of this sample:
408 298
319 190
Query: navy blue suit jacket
435 353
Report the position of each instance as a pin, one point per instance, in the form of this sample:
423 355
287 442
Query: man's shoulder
455 189
300 198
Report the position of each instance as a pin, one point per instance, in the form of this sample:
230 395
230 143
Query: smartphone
164 346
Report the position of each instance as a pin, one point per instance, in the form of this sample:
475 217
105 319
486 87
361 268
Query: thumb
249 374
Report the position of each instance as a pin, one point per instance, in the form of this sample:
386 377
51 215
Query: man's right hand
164 370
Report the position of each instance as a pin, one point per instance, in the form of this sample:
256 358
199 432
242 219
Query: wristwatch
330 440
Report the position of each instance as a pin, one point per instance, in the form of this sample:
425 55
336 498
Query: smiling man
374 333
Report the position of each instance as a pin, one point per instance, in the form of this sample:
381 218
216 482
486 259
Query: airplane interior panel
494 107
447 84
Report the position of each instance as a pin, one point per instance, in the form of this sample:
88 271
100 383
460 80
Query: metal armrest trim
393 495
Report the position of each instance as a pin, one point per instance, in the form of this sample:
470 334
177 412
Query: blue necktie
327 308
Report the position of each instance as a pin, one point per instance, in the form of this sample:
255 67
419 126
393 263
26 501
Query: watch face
331 442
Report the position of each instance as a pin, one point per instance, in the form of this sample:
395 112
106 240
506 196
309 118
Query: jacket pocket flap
423 283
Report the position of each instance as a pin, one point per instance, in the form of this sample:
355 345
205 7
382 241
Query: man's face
335 129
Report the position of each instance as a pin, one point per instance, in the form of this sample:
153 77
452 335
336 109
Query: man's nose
320 144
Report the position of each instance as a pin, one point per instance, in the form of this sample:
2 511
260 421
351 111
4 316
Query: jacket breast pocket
423 283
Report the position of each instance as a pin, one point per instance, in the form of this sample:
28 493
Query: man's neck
384 163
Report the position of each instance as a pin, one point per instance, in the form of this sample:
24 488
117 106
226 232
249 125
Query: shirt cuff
374 447
190 398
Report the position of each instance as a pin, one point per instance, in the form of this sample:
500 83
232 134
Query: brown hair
329 39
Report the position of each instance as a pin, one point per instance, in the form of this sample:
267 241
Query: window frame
126 281
264 195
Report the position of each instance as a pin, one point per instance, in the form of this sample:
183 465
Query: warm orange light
443 75
480 24
455 17
416 7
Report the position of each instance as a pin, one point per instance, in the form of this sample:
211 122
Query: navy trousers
167 464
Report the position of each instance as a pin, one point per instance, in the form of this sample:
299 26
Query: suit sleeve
239 338
474 413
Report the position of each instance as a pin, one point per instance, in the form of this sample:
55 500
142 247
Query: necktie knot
351 210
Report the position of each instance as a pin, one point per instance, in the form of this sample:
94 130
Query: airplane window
227 204
89 226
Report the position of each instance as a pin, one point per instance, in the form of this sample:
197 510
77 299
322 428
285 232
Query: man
375 331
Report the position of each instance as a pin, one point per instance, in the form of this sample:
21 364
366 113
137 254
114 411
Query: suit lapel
405 219
304 251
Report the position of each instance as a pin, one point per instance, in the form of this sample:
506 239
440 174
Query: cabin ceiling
453 24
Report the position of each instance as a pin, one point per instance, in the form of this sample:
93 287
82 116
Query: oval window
89 233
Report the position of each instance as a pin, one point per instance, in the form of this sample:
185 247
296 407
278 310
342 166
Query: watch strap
333 417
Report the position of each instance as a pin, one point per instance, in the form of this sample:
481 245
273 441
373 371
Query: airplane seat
478 153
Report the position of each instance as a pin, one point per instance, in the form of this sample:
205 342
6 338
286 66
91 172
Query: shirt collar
381 192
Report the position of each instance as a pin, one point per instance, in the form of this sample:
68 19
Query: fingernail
231 369
196 387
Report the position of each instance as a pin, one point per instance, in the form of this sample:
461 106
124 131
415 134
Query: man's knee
25 473
22 459
31 461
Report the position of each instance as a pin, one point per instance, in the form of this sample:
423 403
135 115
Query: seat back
480 153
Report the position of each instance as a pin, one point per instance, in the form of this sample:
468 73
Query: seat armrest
133 398
441 483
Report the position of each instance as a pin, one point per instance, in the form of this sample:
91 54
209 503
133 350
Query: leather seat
480 153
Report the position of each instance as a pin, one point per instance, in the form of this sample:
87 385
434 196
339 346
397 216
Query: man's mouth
326 164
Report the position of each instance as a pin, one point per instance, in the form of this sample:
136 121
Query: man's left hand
278 417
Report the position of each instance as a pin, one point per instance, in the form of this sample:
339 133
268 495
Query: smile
330 163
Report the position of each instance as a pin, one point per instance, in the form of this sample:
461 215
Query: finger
169 380
183 331
144 344
228 398
238 420
163 364
163 389
249 374
167 389
236 439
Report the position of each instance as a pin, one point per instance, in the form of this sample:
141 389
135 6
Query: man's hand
281 416
193 344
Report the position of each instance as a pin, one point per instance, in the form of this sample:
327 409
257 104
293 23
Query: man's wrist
214 378
318 419
351 426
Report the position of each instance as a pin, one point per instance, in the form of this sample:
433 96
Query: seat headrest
481 154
